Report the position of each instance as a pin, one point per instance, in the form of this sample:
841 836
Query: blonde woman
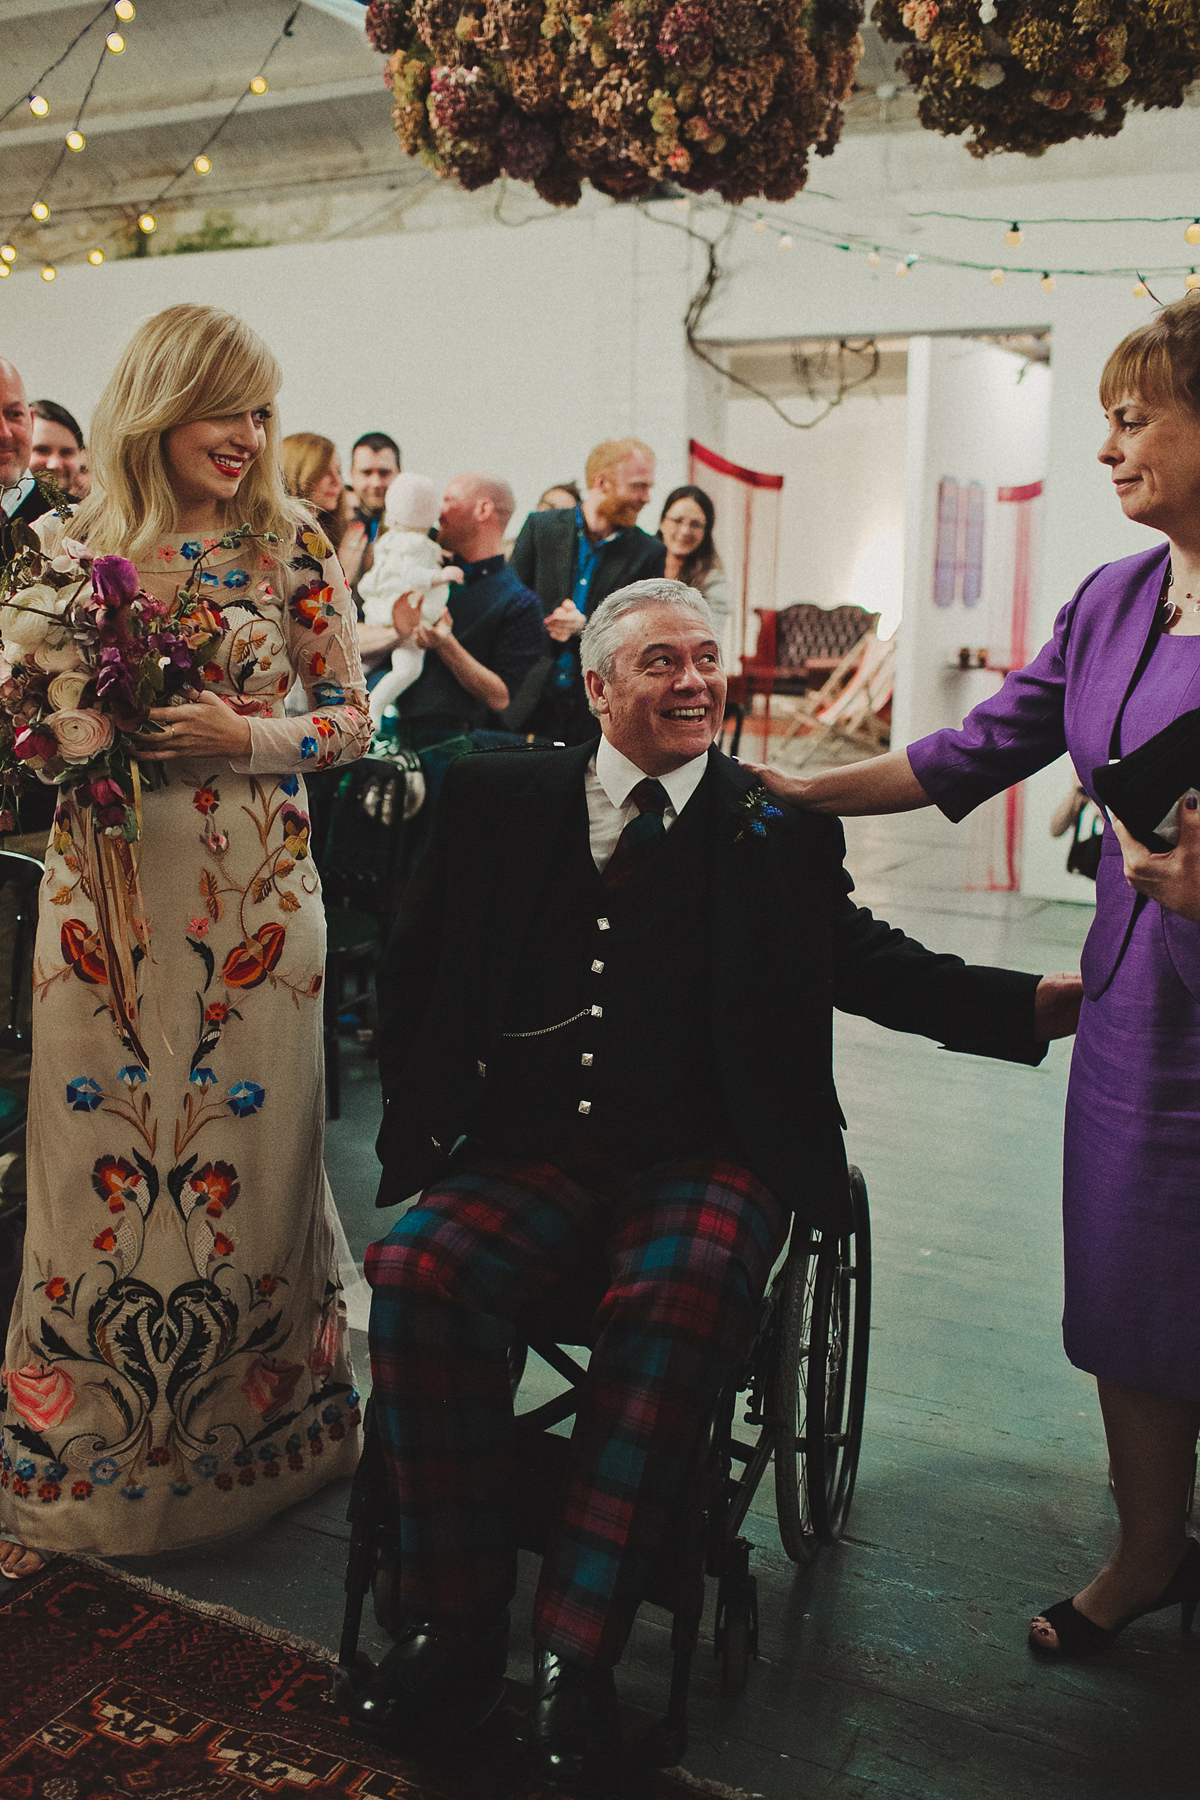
312 472
176 1364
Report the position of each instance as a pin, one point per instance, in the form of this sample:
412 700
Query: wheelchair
796 1402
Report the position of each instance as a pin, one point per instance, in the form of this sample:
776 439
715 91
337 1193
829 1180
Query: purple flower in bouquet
686 35
114 680
114 580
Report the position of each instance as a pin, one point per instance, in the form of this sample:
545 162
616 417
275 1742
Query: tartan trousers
690 1245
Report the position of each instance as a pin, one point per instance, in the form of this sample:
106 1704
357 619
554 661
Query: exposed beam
153 118
12 10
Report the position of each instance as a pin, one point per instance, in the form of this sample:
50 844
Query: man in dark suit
573 558
20 497
606 1031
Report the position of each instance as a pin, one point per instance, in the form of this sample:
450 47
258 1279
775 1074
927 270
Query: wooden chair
858 708
796 644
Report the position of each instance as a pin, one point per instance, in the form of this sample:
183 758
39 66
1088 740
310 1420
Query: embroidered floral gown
177 1363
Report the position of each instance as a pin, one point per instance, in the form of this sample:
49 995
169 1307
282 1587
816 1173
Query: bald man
491 634
19 497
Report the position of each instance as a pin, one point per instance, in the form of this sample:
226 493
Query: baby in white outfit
407 561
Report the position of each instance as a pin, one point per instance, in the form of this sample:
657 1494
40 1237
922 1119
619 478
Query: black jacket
787 945
544 557
32 507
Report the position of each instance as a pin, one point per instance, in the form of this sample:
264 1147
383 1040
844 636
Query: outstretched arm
883 784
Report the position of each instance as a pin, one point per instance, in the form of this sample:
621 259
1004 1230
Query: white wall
843 490
976 413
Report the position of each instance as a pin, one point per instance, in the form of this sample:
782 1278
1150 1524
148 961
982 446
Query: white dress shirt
12 497
609 782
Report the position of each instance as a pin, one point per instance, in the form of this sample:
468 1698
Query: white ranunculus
21 629
57 652
66 691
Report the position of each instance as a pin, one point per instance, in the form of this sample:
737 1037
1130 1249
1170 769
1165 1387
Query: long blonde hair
189 362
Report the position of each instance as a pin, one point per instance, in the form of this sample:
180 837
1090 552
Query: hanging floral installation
1024 74
729 95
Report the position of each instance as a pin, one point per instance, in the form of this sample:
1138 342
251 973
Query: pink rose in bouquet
81 734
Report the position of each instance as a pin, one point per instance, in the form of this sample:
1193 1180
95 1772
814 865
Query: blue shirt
499 620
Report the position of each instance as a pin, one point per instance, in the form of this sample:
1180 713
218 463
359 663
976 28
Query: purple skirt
1131 1188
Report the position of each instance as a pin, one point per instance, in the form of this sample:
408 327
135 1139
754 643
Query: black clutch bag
1144 788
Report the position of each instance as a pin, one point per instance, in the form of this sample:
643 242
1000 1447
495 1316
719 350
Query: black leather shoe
439 1680
574 1735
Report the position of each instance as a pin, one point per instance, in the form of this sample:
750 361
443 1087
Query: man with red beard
573 558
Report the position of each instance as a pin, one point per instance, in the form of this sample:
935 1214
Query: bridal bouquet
85 652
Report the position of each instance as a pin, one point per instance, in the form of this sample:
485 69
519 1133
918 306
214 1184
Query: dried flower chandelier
723 95
1025 74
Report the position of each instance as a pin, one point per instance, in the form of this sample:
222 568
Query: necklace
1173 609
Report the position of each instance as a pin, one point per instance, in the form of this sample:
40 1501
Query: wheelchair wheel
789 1402
837 1374
820 1381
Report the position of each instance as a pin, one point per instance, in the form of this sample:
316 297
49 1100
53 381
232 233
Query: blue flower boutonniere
759 814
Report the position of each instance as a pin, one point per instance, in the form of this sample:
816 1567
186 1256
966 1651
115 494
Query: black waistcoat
608 1039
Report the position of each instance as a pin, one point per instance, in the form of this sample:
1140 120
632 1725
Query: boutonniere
759 814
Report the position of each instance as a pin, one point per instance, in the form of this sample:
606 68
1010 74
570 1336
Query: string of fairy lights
787 231
115 44
905 261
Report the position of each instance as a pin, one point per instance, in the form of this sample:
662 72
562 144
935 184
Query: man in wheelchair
606 1031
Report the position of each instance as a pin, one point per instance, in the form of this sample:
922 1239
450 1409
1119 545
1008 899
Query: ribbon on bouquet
115 892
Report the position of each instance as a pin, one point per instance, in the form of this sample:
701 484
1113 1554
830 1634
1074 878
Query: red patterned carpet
118 1688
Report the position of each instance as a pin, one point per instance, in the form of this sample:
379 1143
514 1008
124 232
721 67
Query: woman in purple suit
1124 662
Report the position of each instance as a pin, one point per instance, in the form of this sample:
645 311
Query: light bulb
115 42
7 253
997 277
1014 236
75 140
202 165
49 272
96 257
259 85
125 10
1192 281
1192 234
785 242
39 210
147 223
901 270
4 270
39 106
873 259
1047 283
1138 290
760 224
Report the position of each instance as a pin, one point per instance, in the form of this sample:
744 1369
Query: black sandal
1079 1636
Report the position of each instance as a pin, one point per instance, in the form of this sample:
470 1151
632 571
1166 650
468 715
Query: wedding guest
57 442
686 528
121 1434
312 471
1123 663
81 486
374 465
20 497
574 559
562 494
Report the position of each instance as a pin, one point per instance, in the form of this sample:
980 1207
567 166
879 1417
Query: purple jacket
1068 699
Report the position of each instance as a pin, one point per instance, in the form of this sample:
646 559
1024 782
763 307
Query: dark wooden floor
895 1665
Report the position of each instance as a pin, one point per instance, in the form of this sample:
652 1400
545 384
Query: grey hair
602 633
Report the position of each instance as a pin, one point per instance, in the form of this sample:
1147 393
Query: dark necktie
639 837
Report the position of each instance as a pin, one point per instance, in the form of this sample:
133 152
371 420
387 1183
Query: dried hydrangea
1046 71
730 95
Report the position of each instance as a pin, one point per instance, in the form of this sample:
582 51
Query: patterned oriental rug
113 1686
